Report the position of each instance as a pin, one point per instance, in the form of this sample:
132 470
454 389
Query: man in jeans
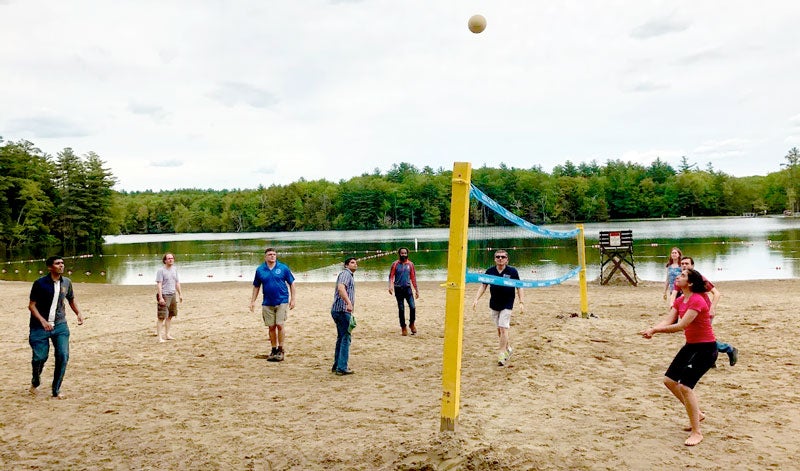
48 323
344 297
279 294
402 278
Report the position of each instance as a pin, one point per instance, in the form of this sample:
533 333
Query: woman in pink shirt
697 355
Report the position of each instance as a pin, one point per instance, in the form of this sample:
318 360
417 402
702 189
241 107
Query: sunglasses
500 256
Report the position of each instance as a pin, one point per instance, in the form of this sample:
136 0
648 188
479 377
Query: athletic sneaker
502 358
279 354
734 356
273 355
509 351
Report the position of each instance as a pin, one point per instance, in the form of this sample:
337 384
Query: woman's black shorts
692 362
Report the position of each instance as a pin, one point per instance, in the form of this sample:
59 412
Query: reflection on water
723 248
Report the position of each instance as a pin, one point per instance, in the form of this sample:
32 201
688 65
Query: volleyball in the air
477 23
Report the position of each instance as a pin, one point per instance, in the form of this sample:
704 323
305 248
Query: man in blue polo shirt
279 294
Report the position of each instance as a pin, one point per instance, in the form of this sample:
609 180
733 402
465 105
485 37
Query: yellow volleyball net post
454 300
457 278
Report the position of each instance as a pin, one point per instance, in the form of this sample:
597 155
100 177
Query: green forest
67 201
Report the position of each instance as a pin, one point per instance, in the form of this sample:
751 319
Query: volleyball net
533 245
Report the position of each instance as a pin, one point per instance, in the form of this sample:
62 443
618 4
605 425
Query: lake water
723 248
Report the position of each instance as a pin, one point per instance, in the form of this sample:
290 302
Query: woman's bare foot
689 428
161 340
60 396
169 337
33 390
694 439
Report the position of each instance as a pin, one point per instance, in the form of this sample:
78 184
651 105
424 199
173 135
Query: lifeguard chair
616 247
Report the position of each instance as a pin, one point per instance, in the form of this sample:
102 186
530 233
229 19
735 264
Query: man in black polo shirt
48 323
501 302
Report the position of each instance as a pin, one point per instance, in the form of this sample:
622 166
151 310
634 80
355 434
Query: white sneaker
502 358
509 351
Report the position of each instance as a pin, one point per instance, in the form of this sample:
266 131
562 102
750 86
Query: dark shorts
692 362
170 308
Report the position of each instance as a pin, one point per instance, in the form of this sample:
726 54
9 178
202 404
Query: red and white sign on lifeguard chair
614 239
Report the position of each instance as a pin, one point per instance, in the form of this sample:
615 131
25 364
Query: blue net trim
500 281
481 196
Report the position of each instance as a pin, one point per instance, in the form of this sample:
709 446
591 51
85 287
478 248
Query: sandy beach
577 394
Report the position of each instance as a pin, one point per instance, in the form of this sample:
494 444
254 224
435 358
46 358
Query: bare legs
688 398
167 323
276 335
163 325
502 333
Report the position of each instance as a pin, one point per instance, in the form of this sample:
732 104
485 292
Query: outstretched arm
668 324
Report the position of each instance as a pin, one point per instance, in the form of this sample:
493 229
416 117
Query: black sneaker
345 372
273 355
279 354
734 356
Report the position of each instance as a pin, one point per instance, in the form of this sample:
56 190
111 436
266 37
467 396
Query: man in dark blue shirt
48 323
501 302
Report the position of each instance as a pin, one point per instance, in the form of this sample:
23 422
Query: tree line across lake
67 202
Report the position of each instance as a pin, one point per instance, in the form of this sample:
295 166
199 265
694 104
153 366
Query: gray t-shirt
168 278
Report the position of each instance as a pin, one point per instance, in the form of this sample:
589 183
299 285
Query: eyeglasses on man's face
501 256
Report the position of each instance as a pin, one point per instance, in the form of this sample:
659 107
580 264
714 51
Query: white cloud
266 93
646 157
153 111
702 56
645 86
721 149
167 163
46 127
235 93
659 26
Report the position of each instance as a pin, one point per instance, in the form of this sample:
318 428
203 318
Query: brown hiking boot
413 329
405 331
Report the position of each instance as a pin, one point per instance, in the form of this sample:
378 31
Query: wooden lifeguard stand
616 247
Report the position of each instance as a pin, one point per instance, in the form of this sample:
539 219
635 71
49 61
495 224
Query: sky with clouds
221 94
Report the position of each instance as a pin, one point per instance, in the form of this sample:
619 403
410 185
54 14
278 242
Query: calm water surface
724 249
